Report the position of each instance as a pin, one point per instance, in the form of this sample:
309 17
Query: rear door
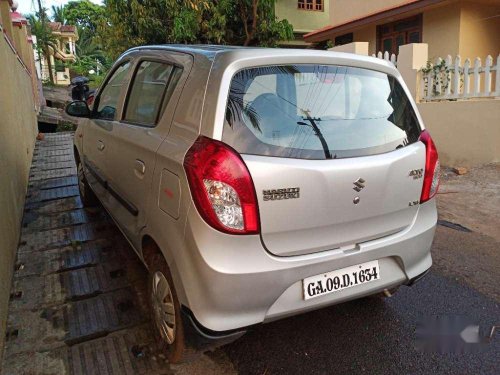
148 111
333 152
96 141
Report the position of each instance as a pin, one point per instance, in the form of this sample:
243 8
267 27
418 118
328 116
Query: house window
344 39
310 5
392 35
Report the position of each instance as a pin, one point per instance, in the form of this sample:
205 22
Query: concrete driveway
78 297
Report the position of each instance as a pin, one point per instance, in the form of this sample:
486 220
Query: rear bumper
201 337
231 282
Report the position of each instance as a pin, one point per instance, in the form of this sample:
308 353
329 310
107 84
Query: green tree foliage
59 14
107 31
89 54
260 24
85 14
243 22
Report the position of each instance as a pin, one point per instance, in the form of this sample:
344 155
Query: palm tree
58 14
86 45
45 41
88 53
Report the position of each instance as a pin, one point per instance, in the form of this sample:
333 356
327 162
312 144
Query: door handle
100 146
140 167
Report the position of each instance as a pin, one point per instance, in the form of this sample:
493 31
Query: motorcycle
81 90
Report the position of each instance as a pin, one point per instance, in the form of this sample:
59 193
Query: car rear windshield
317 112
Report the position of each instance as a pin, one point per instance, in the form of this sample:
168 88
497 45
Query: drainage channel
77 299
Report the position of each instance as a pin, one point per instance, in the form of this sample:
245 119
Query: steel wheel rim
163 307
81 181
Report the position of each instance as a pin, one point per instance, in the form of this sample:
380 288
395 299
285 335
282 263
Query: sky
29 6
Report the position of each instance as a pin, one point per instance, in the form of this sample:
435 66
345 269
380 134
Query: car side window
151 90
110 94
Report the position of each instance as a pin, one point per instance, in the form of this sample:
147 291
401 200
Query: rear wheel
87 196
165 310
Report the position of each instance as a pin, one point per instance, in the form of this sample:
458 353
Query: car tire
87 196
165 310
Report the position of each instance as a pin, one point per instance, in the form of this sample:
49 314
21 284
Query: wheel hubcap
163 307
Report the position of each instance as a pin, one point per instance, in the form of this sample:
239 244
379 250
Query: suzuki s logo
359 184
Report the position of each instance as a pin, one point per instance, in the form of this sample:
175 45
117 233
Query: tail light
221 187
432 169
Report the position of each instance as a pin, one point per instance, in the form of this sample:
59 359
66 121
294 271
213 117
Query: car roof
225 55
210 52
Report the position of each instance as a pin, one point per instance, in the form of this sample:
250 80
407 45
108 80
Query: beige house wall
466 132
367 34
440 25
440 30
18 130
303 21
345 10
466 28
479 30
5 17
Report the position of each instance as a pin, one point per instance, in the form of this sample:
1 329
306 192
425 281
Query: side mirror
78 108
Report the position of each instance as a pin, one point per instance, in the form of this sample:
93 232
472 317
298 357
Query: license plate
344 278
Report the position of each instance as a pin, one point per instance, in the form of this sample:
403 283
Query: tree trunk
40 58
250 34
49 65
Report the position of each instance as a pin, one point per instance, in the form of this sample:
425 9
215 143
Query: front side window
317 112
110 94
152 87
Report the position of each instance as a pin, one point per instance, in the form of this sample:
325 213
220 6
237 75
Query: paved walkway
77 296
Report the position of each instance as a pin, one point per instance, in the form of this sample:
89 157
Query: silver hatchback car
259 183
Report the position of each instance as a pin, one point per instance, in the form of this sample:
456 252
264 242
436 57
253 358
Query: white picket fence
450 80
387 57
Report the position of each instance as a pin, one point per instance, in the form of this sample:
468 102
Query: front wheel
165 310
